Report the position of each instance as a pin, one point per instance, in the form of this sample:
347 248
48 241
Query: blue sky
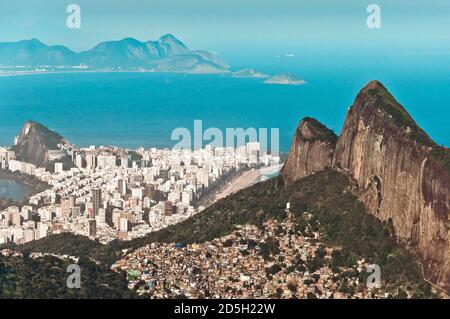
238 26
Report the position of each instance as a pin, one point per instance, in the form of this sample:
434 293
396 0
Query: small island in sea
249 73
285 79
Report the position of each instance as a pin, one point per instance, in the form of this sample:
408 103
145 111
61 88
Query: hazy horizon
235 27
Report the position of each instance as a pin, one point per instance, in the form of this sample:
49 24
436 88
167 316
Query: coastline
73 71
244 180
109 71
237 181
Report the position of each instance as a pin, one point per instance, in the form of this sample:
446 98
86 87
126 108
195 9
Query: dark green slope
45 278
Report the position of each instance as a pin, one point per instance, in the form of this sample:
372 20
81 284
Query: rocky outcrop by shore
39 145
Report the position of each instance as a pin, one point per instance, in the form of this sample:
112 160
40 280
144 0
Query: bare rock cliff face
399 178
311 150
34 142
400 173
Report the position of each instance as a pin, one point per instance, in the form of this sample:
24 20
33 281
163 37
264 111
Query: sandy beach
245 180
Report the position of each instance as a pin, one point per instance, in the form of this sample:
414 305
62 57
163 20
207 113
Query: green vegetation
381 97
61 244
345 223
323 133
45 277
442 155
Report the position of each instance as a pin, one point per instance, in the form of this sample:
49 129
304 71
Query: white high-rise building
79 161
92 228
42 230
186 197
27 212
253 150
29 235
90 161
101 218
124 224
59 168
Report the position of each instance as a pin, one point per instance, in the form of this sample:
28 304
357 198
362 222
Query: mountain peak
375 98
168 36
311 150
374 85
30 126
375 89
167 54
34 42
311 129
34 124
34 143
170 39
130 40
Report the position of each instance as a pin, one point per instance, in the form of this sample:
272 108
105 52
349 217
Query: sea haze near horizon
142 109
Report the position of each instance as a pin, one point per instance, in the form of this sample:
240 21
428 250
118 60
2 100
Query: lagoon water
142 109
12 190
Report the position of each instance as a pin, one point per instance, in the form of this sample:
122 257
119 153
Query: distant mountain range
168 54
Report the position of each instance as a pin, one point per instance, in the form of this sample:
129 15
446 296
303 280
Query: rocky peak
311 151
400 173
34 143
375 105
170 45
312 130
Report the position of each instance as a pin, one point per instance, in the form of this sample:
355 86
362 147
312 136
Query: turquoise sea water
12 190
142 109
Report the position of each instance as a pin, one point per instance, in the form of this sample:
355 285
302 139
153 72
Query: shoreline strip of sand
245 180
